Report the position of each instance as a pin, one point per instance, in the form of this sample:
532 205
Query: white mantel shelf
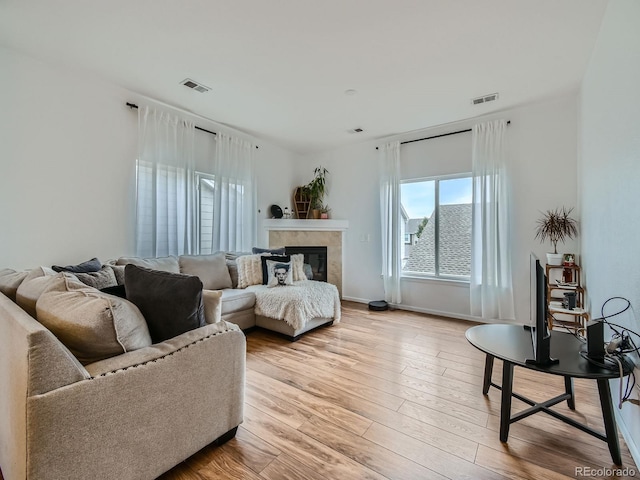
306 225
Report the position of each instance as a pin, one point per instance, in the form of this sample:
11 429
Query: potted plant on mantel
317 189
556 225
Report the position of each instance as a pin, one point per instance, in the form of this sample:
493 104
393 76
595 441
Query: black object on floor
378 306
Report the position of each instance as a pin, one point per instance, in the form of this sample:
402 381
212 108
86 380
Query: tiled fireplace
312 233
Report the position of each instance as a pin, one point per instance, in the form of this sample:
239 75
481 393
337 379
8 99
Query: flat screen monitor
540 334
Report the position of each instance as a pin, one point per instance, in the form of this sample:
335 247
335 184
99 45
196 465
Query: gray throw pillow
103 278
272 251
92 265
171 303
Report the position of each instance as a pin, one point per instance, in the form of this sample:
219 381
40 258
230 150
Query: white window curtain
234 205
165 214
491 286
391 221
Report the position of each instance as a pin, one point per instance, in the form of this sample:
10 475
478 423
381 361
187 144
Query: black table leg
609 420
488 370
505 405
568 388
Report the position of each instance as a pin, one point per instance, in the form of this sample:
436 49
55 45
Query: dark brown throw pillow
170 302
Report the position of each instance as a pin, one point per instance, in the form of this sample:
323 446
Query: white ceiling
279 68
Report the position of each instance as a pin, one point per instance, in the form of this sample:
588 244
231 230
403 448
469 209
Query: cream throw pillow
92 324
249 270
10 280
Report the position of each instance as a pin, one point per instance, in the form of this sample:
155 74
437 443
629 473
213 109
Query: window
439 219
205 185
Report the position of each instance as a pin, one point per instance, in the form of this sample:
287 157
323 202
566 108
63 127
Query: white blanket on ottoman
298 303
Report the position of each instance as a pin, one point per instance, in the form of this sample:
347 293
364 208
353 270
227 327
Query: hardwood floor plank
513 467
377 458
433 458
287 468
250 450
310 403
309 452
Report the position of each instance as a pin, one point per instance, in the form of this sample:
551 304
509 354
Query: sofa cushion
275 258
170 302
165 264
212 301
232 266
279 273
249 270
211 269
10 280
298 267
92 265
237 300
33 286
92 324
103 278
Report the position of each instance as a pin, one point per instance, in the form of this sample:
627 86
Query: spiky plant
557 226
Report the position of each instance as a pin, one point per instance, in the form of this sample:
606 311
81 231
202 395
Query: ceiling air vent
187 82
484 99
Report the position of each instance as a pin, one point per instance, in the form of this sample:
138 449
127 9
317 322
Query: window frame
436 275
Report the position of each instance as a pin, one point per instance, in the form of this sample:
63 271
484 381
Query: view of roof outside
418 202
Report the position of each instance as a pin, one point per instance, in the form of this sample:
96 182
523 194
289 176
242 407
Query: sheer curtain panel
234 204
165 196
390 221
491 287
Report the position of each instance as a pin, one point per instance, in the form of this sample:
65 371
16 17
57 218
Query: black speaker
595 340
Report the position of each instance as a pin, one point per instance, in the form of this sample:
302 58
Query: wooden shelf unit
576 319
301 203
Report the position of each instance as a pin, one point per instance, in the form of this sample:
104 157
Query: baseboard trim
427 311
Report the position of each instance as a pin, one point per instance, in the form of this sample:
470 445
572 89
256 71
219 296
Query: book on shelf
566 284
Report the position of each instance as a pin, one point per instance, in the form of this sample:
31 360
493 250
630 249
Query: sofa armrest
137 418
158 350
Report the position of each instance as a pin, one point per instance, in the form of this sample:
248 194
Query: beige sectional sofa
137 408
131 416
239 290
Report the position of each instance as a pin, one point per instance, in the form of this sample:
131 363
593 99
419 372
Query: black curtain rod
438 136
133 105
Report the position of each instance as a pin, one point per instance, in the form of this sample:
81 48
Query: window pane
455 227
418 203
206 216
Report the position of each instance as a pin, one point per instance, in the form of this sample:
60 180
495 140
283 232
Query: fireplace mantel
306 225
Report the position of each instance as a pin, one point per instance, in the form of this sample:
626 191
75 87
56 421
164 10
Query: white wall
67 165
610 178
543 151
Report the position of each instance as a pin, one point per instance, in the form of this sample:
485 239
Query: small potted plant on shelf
557 226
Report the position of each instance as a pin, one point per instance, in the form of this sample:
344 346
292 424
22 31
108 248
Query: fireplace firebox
316 257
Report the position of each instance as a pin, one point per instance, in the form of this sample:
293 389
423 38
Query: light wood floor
393 395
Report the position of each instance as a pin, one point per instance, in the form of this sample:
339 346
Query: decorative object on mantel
324 212
307 199
287 214
556 225
276 211
301 202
